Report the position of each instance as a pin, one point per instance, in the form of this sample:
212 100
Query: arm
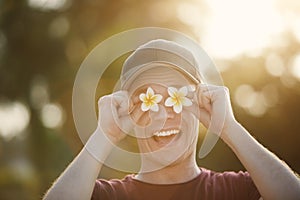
78 180
273 178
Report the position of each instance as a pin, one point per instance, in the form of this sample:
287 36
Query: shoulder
228 175
114 182
113 188
237 184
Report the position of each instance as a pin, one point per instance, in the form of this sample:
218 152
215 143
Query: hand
213 108
114 119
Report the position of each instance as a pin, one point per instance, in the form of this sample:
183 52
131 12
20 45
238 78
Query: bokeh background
255 45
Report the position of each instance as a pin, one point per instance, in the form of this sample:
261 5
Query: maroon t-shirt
208 185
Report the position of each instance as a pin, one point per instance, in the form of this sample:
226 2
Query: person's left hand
212 107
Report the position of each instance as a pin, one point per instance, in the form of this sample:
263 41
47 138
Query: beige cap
161 52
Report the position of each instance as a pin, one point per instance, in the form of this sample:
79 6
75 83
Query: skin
165 119
273 178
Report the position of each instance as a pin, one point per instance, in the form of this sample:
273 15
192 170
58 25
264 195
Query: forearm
273 178
78 180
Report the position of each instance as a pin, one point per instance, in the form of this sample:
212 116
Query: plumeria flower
178 98
150 100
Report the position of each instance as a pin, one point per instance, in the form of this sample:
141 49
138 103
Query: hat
161 52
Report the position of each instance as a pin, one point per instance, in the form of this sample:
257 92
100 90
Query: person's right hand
114 119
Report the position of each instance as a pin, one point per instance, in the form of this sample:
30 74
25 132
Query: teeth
166 133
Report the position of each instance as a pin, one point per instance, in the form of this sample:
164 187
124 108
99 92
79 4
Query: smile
166 133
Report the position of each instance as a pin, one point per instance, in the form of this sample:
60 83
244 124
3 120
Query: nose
170 113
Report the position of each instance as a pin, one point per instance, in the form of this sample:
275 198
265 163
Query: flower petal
142 97
169 102
183 91
145 107
150 91
186 101
154 107
172 91
157 98
177 108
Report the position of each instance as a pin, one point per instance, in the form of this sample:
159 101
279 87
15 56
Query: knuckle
104 100
121 93
224 90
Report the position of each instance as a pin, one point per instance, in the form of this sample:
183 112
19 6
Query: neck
180 172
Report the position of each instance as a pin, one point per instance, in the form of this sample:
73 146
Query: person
163 99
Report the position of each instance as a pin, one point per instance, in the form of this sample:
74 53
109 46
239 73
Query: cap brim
131 75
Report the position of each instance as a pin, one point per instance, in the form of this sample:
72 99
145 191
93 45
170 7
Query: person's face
163 136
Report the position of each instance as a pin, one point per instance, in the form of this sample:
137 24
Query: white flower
177 98
150 100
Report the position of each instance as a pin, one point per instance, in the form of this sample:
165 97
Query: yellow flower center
150 100
177 99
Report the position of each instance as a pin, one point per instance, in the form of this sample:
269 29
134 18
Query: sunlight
161 11
14 118
254 102
270 95
47 4
52 115
189 14
236 27
288 80
39 94
290 11
295 67
245 96
259 108
59 27
274 65
296 28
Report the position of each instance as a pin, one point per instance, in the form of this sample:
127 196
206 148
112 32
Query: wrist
230 131
99 145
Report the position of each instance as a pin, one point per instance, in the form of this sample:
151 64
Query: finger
118 106
219 111
205 100
203 92
126 123
194 109
135 98
120 97
191 91
136 113
121 101
144 119
123 109
205 117
205 87
200 113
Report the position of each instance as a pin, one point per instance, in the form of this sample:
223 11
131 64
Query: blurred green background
255 45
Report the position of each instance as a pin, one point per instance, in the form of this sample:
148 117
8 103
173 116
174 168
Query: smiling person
163 100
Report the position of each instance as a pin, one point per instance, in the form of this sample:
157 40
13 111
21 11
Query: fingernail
191 88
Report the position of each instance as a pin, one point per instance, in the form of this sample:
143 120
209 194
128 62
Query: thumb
121 111
200 113
218 113
194 109
126 124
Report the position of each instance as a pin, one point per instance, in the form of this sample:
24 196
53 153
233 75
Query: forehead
157 88
160 77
